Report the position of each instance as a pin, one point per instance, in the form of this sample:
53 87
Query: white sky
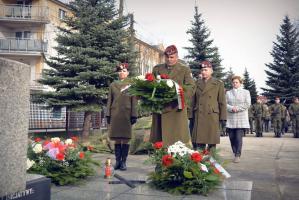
243 30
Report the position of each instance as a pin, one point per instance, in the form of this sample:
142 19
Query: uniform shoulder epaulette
218 80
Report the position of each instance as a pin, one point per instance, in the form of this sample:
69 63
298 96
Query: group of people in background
280 117
209 107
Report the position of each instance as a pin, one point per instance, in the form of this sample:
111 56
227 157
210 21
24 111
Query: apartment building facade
27 33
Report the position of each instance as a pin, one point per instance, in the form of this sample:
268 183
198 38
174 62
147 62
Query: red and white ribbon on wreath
219 168
180 94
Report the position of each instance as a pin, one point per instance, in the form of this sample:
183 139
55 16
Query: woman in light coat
238 101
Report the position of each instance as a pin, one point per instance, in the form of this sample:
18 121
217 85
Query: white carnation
169 83
37 148
158 77
179 148
68 141
29 163
141 77
55 139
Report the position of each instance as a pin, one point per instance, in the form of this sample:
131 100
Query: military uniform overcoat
172 125
209 107
277 113
294 114
258 113
120 108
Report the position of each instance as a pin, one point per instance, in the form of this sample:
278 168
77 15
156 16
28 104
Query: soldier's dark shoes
117 165
123 166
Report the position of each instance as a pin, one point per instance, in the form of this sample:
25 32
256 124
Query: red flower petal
60 156
37 139
196 157
81 155
158 145
167 160
74 138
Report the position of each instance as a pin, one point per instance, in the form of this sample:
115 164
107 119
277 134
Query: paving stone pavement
269 170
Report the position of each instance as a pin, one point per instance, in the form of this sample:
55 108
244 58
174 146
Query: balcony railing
21 12
11 45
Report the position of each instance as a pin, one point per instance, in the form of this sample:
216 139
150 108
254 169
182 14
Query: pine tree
92 44
249 84
228 79
132 54
283 72
202 48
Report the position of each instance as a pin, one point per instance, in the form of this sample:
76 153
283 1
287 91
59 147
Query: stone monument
14 121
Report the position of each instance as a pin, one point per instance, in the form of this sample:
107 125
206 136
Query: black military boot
124 155
117 152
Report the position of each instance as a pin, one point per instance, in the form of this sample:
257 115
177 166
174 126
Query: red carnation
205 152
149 77
167 160
75 139
90 148
158 145
37 139
81 155
164 76
60 156
61 147
196 157
46 142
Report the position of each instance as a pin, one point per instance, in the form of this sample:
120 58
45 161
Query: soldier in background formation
277 114
251 119
284 120
294 115
266 116
258 114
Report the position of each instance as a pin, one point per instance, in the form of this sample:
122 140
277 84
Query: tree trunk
86 124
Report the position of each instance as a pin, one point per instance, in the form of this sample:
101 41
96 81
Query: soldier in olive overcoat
209 108
294 114
250 118
258 114
267 116
276 111
172 125
121 115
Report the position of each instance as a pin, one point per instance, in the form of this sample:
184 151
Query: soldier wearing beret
294 114
276 111
258 114
267 115
172 125
209 108
121 115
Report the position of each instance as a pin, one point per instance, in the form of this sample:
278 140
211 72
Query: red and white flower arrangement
181 170
155 93
64 161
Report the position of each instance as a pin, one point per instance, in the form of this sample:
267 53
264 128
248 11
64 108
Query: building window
56 113
27 34
61 14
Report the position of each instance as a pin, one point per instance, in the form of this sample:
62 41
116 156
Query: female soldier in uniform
121 115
